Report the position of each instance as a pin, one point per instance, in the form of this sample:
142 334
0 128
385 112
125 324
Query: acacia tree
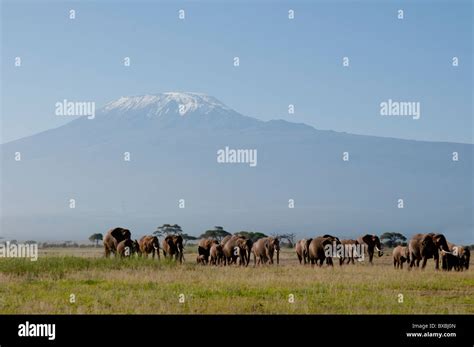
168 229
252 235
217 233
187 238
96 238
288 237
392 239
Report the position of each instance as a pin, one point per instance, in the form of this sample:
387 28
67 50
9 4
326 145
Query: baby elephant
201 259
125 248
400 255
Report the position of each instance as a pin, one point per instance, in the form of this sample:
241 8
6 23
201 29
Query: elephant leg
401 265
425 259
394 263
436 260
418 262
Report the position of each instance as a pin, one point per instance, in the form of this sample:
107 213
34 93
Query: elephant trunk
278 257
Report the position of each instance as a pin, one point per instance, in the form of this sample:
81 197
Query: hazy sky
282 61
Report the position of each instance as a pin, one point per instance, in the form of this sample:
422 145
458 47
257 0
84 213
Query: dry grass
147 286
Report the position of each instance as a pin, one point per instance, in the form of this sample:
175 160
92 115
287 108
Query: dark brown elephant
321 248
125 248
371 244
401 254
351 251
458 259
216 254
427 246
204 248
113 237
149 244
236 247
264 249
173 246
302 250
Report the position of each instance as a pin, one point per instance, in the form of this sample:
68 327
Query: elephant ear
117 234
127 235
427 239
367 239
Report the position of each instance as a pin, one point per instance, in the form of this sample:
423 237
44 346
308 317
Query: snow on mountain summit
182 103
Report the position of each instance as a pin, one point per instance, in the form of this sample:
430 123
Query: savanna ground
145 286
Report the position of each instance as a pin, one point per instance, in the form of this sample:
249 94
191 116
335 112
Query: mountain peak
182 103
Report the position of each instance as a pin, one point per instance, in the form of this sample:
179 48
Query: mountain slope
173 139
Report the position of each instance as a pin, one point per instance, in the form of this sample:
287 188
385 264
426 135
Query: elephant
458 259
173 246
301 249
136 248
204 248
321 248
427 246
264 249
125 248
150 244
201 259
237 247
371 244
216 254
400 254
113 237
351 249
465 258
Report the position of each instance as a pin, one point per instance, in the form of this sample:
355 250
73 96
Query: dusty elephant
371 244
427 246
204 248
320 249
350 251
149 244
113 237
216 254
236 247
173 246
302 250
264 249
401 254
125 248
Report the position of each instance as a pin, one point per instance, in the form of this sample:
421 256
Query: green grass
146 286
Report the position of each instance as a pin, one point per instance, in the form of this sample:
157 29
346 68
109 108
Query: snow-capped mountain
154 105
174 174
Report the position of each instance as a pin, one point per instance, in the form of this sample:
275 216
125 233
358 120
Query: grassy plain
149 286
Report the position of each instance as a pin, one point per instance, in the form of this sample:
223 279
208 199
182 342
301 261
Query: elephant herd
119 241
235 249
420 248
426 246
324 248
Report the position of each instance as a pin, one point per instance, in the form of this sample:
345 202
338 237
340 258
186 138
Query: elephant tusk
377 249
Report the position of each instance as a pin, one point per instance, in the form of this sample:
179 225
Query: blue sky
282 62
